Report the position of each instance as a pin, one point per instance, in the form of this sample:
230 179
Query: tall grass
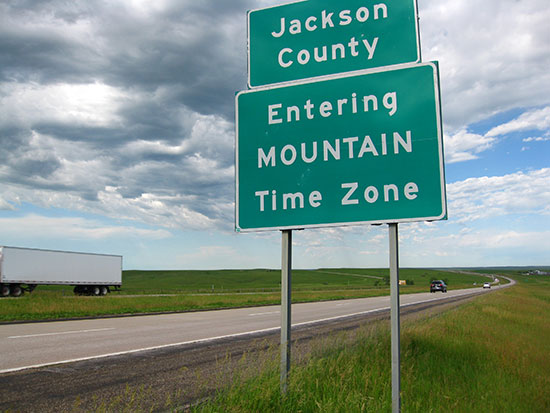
490 355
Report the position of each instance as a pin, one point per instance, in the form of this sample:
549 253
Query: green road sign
347 149
320 37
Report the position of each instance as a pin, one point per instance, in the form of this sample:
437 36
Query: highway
33 345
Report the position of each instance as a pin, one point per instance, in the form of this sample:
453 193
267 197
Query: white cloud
538 139
167 211
486 247
494 55
6 206
485 197
505 239
73 228
28 104
465 146
538 119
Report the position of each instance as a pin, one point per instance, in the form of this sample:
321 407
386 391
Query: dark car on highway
438 285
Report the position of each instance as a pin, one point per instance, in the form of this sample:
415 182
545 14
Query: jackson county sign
320 37
347 149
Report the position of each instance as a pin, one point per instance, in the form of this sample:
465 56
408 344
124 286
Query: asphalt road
32 345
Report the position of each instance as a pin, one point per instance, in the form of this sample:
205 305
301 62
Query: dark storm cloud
33 46
146 119
196 48
20 165
174 68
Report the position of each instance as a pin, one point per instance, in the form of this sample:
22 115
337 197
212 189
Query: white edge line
205 340
65 332
340 316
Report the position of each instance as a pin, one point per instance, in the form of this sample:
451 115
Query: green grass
185 281
201 290
490 355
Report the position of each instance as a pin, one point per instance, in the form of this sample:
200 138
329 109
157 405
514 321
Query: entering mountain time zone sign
319 37
359 148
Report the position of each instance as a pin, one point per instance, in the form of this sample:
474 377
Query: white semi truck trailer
22 269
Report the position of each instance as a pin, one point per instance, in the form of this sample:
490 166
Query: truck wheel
5 291
96 291
16 291
103 290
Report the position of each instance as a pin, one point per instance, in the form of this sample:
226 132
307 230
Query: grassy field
143 282
164 291
489 355
259 280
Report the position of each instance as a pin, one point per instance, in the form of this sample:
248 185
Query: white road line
268 313
305 323
64 332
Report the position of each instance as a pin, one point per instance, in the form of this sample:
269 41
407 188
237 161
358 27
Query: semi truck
22 269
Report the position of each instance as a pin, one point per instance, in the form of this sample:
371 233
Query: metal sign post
286 315
395 326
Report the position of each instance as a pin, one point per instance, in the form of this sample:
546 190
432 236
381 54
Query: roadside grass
54 305
192 291
489 355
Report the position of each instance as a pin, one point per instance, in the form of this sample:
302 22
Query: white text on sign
327 20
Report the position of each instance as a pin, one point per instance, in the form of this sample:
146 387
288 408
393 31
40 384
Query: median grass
169 291
489 355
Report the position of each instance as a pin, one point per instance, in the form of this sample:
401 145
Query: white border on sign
250 86
437 99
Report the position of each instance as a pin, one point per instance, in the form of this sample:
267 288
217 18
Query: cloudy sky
117 136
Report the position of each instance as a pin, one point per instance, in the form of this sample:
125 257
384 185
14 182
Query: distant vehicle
22 269
438 285
486 285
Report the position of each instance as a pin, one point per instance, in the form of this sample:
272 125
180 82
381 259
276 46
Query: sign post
286 314
395 319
